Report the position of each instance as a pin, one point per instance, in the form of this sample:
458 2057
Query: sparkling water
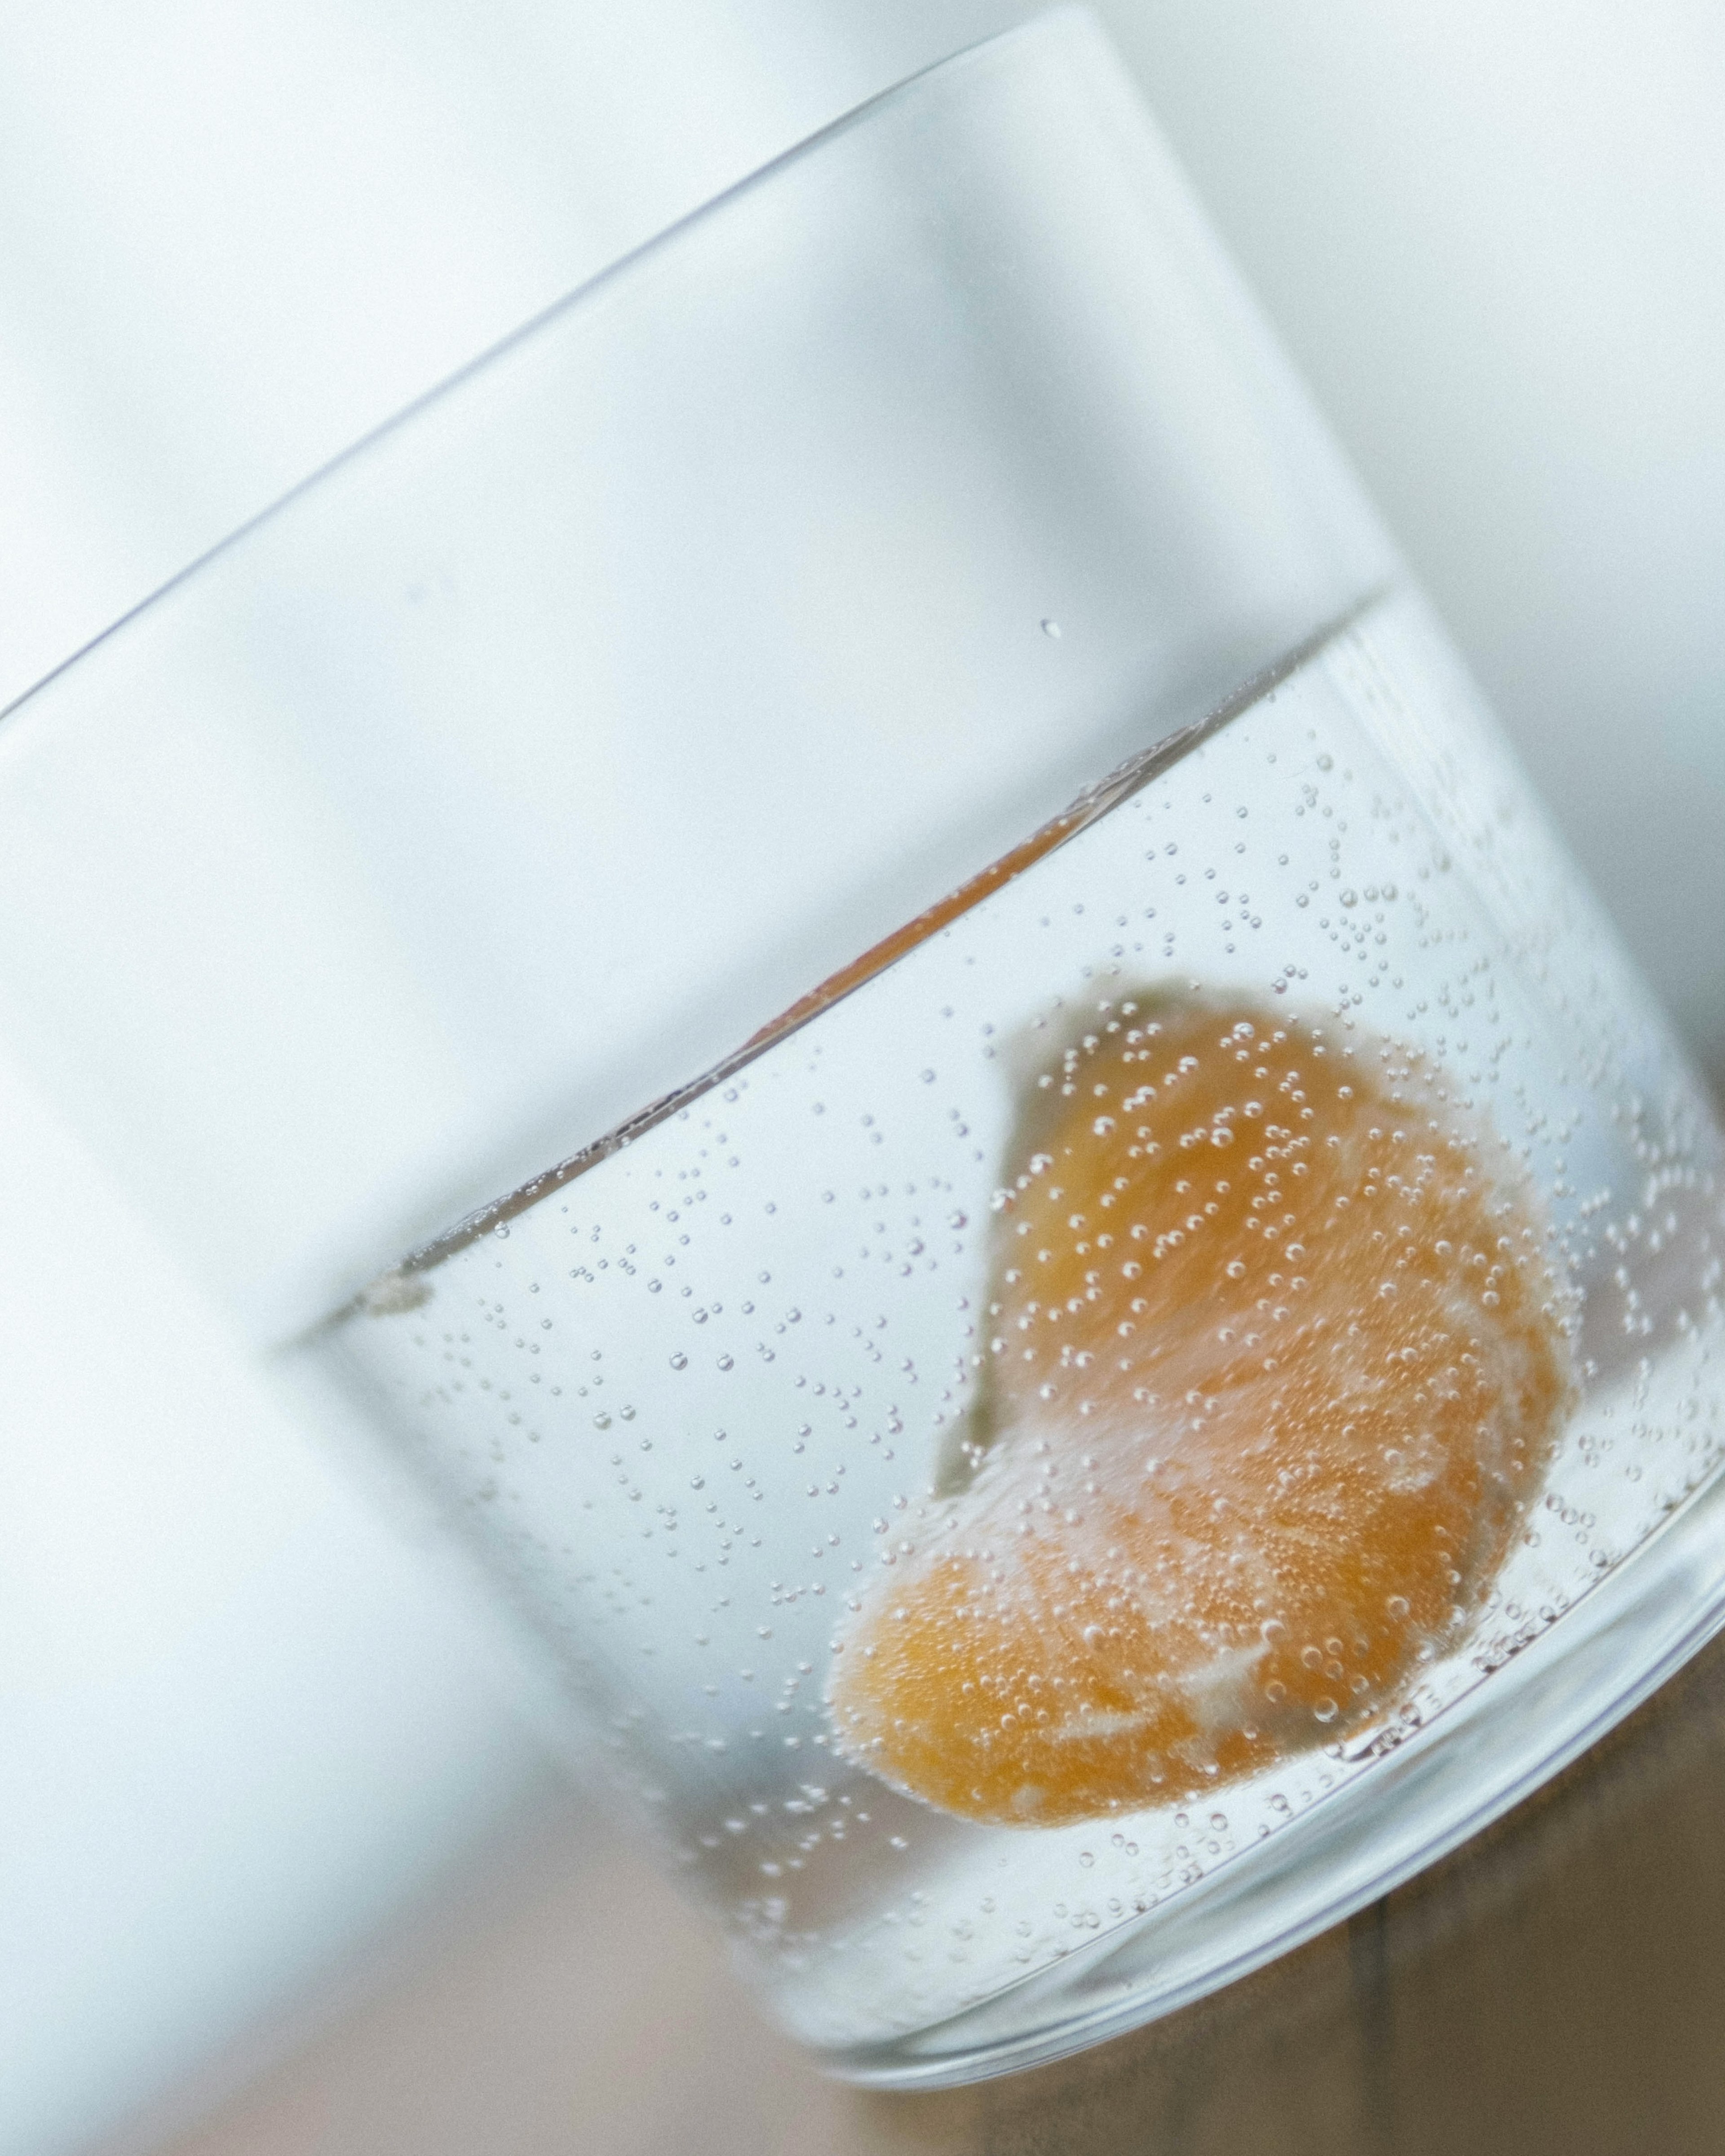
692 1392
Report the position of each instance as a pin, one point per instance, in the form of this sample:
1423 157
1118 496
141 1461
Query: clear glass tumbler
1105 1333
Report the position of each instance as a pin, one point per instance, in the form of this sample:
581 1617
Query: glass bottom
1541 1711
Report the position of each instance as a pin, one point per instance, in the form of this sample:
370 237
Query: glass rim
1052 21
781 511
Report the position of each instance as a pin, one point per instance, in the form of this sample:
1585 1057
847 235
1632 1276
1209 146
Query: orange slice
1274 1361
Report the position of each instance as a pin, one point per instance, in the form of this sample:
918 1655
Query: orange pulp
1273 1362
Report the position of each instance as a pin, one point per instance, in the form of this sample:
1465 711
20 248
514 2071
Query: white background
239 1724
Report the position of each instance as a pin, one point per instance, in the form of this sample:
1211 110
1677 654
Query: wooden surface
1557 1989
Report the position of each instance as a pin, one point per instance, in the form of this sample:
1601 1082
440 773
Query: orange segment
1275 1361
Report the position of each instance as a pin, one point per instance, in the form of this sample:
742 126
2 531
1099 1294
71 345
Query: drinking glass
835 941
